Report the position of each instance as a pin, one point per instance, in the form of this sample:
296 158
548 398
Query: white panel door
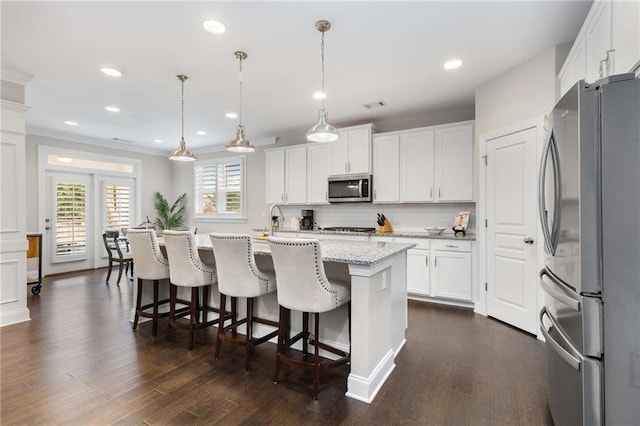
454 163
598 39
275 176
416 170
318 167
296 176
511 216
340 154
359 151
386 169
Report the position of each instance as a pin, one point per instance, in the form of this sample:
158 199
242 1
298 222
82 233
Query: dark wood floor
78 362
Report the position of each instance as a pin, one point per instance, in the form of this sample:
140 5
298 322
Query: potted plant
170 217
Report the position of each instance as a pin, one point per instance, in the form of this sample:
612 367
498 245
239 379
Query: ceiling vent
121 140
376 104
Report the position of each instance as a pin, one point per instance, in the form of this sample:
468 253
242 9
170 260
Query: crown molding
14 76
103 143
222 147
13 106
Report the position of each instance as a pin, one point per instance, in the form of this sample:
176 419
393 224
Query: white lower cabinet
451 276
418 269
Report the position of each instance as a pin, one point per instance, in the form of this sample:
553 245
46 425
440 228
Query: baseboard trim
365 389
14 316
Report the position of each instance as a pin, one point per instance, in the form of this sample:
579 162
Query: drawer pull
451 246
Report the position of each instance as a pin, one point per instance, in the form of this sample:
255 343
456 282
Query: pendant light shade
240 143
182 153
323 131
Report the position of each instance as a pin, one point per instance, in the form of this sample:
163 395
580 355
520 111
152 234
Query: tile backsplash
401 216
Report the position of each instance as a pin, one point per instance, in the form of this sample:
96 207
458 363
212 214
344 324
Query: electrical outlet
384 280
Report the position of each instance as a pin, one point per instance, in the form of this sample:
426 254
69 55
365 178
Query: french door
69 226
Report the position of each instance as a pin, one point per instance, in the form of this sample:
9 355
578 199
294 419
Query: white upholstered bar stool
187 270
150 265
238 276
303 286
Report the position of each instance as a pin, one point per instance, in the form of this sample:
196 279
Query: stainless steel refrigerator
589 202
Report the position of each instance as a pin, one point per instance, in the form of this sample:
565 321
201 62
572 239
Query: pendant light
323 131
182 153
239 143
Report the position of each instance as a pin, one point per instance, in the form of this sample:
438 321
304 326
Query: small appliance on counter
307 220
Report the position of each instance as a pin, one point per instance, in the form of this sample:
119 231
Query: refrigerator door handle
557 185
542 208
555 289
571 359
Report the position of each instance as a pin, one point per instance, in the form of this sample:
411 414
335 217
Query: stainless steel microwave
349 189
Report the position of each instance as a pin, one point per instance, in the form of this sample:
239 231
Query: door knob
528 240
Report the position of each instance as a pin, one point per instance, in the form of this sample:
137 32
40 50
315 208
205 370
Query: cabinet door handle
435 260
427 261
601 69
282 198
375 194
451 246
439 192
286 197
609 57
431 193
349 167
326 196
345 167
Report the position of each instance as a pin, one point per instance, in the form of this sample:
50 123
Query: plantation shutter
230 187
206 189
219 187
118 206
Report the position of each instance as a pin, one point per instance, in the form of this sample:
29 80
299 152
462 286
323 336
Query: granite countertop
447 235
365 253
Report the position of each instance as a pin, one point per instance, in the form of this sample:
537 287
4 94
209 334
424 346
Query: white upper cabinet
286 174
386 168
608 43
296 175
430 164
454 163
275 176
416 171
318 163
351 153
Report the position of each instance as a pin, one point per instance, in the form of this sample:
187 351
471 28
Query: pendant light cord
240 79
182 105
322 56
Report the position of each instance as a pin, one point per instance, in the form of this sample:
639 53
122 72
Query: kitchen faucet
274 206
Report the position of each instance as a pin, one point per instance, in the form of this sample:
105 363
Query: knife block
386 228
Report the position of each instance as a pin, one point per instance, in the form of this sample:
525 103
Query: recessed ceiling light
319 95
157 141
453 64
111 71
112 108
214 27
231 115
71 123
201 133
65 159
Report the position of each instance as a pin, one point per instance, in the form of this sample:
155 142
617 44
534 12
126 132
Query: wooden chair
116 255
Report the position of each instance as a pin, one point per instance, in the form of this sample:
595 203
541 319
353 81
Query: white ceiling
386 51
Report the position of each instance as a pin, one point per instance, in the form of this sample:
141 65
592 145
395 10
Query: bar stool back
238 276
303 286
187 270
150 265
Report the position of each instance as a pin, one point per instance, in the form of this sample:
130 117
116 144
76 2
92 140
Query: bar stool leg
138 304
234 313
154 327
205 303
192 316
316 361
223 313
281 340
249 333
172 306
305 337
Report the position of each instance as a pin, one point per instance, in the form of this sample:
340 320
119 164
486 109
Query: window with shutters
118 206
220 189
70 224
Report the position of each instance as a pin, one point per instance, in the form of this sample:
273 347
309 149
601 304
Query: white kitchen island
377 272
